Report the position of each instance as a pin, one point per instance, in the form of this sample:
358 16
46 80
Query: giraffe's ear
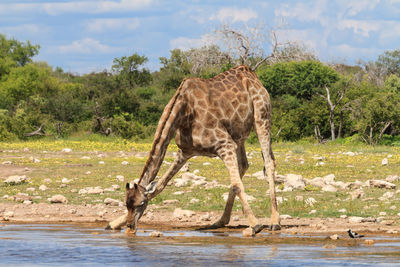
150 188
128 186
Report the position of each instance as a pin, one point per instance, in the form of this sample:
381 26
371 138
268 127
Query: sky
85 36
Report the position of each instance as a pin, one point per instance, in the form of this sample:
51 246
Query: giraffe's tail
166 128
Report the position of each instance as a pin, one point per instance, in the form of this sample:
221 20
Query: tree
14 53
390 61
130 70
247 45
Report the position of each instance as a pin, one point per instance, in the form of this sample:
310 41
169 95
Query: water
77 245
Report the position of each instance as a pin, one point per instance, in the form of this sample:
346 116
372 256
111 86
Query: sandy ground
162 220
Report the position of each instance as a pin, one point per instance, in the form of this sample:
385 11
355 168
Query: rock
27 202
350 153
329 188
259 175
334 237
312 212
180 213
357 194
66 150
380 184
342 210
206 164
329 246
101 162
65 180
385 162
355 219
120 178
392 178
124 162
58 199
180 182
88 172
178 193
82 192
116 187
248 232
31 189
310 201
386 196
15 179
9 214
111 202
319 163
369 242
329 179
96 190
382 213
85 157
7 162
47 180
317 181
344 216
155 234
72 211
295 181
206 217
194 201
299 198
235 218
170 201
285 216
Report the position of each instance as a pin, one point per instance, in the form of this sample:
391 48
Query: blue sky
85 36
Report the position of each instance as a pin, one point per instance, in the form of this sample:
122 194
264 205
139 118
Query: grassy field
94 163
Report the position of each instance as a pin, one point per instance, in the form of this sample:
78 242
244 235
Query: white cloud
100 25
303 12
234 14
349 52
56 8
86 46
356 6
361 27
26 29
184 43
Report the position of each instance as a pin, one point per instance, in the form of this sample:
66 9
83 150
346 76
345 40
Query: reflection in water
54 245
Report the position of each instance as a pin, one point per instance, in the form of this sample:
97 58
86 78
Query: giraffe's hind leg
228 153
243 166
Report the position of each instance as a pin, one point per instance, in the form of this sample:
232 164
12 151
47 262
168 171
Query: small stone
344 216
85 157
7 162
385 162
334 237
101 162
124 162
88 172
58 199
27 202
72 211
342 210
120 178
206 164
369 242
391 231
329 246
248 232
31 189
329 188
285 216
312 212
382 213
155 234
66 150
180 213
65 180
194 201
206 217
355 219
111 202
9 214
15 179
235 218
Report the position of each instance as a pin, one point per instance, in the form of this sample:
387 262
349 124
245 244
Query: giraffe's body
213 118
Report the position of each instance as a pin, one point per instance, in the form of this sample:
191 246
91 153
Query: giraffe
210 117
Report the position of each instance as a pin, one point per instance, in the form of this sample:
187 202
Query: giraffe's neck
164 133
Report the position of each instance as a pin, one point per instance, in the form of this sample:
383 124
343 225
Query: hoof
108 227
275 227
258 228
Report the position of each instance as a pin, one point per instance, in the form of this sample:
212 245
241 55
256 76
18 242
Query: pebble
58 199
369 242
248 232
155 234
334 237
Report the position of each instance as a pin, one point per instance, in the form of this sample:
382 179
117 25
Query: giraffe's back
217 109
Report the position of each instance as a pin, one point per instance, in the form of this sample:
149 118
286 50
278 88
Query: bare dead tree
38 131
332 104
248 45
207 57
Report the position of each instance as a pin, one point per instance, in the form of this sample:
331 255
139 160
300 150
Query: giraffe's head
136 202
